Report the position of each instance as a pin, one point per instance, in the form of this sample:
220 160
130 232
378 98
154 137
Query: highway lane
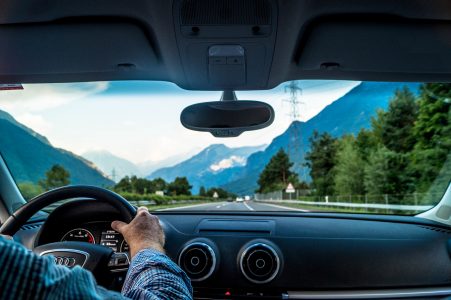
234 206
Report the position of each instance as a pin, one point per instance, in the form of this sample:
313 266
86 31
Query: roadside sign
290 189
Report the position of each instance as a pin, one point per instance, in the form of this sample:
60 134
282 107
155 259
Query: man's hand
143 232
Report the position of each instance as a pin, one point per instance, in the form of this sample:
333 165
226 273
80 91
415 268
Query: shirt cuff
147 253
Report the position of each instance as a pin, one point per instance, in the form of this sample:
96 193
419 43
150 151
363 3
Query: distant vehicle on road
247 198
239 199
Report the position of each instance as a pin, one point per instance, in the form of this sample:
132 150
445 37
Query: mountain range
30 155
346 115
208 166
117 167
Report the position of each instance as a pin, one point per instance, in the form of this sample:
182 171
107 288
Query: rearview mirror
227 118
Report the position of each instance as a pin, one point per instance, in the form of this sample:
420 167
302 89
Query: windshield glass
341 146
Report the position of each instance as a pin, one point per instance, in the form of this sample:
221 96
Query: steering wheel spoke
70 254
119 262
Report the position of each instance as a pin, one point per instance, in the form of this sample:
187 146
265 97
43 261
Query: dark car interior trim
370 294
169 41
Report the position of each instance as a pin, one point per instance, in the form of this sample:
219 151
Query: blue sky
139 120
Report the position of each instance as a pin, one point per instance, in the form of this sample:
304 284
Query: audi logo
65 261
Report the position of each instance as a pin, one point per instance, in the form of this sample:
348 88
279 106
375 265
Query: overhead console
226 44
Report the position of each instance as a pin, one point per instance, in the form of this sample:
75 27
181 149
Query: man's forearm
152 275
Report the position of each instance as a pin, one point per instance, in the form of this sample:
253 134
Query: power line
295 143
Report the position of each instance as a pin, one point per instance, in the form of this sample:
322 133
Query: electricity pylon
295 143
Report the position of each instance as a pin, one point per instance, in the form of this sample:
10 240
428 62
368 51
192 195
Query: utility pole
113 175
295 144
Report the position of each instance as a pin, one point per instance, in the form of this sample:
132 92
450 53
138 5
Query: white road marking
187 206
284 207
247 206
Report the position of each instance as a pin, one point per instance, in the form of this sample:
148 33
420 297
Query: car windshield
334 146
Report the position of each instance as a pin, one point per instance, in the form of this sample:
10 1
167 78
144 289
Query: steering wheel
98 259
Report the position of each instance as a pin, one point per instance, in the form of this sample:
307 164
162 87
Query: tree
386 173
57 176
276 174
321 161
432 132
140 185
124 185
366 143
159 184
180 186
394 127
349 168
202 192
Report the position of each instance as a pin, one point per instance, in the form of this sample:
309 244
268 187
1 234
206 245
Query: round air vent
198 260
259 263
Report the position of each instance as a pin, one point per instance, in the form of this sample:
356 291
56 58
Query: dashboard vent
259 263
198 260
437 229
225 12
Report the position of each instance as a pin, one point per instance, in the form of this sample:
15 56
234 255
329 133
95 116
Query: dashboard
282 255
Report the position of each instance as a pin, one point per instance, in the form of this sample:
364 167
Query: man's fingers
118 226
142 212
142 208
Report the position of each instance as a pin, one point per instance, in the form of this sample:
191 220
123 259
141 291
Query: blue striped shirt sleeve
25 275
152 275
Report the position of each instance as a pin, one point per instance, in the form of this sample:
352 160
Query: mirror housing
227 118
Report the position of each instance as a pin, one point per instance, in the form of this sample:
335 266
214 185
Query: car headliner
385 40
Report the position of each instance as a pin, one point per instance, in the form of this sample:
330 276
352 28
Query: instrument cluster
97 233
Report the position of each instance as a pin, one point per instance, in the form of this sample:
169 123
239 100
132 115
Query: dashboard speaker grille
225 12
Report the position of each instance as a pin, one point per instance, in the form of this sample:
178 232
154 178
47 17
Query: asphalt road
241 206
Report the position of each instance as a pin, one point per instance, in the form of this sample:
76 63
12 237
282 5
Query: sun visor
57 52
375 44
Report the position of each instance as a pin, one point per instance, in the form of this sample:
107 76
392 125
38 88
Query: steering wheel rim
24 213
100 260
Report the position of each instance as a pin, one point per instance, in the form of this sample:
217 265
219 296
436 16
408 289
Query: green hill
29 155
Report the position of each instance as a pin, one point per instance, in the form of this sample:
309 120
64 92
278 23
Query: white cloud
226 163
41 97
36 122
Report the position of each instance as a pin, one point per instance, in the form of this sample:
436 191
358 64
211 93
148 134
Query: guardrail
402 207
